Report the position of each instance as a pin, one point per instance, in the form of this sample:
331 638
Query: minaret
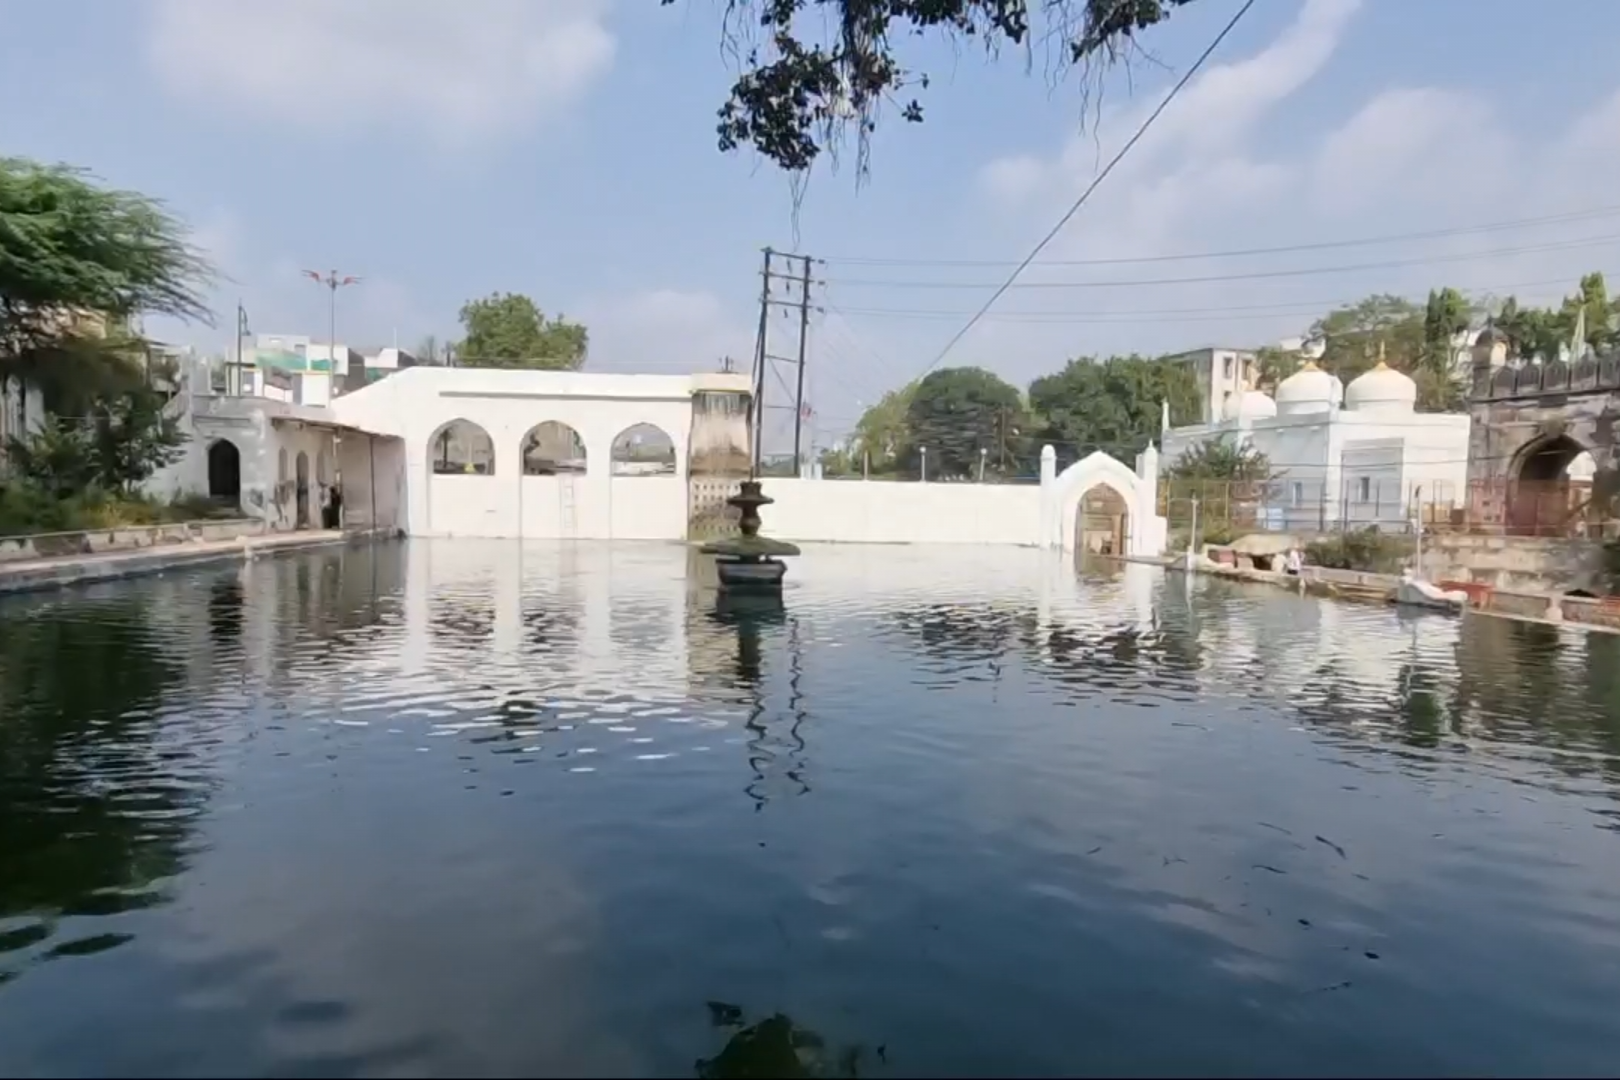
1164 415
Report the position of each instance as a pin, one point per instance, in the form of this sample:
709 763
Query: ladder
567 517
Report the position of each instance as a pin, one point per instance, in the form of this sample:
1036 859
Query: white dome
1381 390
1308 390
1249 405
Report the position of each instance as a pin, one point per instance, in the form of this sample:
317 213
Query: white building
1222 374
1360 455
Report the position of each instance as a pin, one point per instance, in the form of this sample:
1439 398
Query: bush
27 508
1366 550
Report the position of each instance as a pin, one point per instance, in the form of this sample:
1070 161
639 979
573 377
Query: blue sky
565 149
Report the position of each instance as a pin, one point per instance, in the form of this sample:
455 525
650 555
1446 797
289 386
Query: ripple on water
1283 830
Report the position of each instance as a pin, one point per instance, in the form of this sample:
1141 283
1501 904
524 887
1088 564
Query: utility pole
798 282
798 397
759 362
333 283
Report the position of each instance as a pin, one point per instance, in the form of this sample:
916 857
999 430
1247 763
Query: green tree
1532 332
799 91
957 412
1273 364
1221 459
429 350
1592 299
882 433
132 436
1114 405
508 330
124 439
1446 314
78 263
1352 335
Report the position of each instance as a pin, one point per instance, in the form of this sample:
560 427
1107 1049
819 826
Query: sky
565 149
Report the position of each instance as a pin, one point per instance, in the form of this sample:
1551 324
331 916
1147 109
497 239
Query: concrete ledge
36 546
54 573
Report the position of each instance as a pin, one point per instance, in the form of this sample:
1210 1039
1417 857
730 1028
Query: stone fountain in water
749 563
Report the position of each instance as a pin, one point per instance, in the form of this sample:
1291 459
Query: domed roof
1249 405
1383 389
1310 389
1490 335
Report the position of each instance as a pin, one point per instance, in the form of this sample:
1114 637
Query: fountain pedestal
750 562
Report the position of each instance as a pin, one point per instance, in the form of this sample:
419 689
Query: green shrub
27 508
1366 550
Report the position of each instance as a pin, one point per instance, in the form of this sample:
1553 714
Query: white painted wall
1373 490
892 512
372 467
1316 458
1061 494
596 505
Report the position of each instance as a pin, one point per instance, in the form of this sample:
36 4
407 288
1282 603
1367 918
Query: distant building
1358 456
1222 374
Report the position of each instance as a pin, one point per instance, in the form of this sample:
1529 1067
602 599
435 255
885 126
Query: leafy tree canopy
882 434
800 90
1546 332
1114 405
956 412
78 262
1221 459
508 330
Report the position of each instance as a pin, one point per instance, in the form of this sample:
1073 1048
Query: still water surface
466 808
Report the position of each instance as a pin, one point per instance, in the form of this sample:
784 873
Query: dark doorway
1543 500
302 520
225 472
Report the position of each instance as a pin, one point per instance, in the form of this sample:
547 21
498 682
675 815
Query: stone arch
225 471
1102 522
461 448
553 448
1546 458
1142 528
643 450
1542 499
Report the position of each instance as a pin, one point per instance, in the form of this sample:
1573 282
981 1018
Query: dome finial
1380 366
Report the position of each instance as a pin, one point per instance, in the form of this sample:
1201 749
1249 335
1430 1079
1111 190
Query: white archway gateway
1142 530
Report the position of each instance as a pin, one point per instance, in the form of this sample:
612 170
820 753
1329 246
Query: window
1299 493
1364 489
1226 367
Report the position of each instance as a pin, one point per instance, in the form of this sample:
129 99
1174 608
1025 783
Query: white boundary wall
896 512
900 512
418 402
415 404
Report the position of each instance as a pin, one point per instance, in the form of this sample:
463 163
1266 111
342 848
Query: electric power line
1095 183
1286 249
1255 275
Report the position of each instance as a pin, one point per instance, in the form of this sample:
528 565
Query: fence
1226 509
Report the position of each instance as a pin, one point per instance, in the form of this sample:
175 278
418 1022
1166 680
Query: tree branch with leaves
798 93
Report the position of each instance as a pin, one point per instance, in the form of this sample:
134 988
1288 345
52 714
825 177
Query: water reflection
775 1047
97 791
452 808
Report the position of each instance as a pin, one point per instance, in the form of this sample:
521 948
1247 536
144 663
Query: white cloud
455 71
1213 176
665 331
1407 140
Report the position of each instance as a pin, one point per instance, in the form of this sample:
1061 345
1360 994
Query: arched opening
462 448
1552 488
225 472
553 449
643 450
1101 522
301 519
